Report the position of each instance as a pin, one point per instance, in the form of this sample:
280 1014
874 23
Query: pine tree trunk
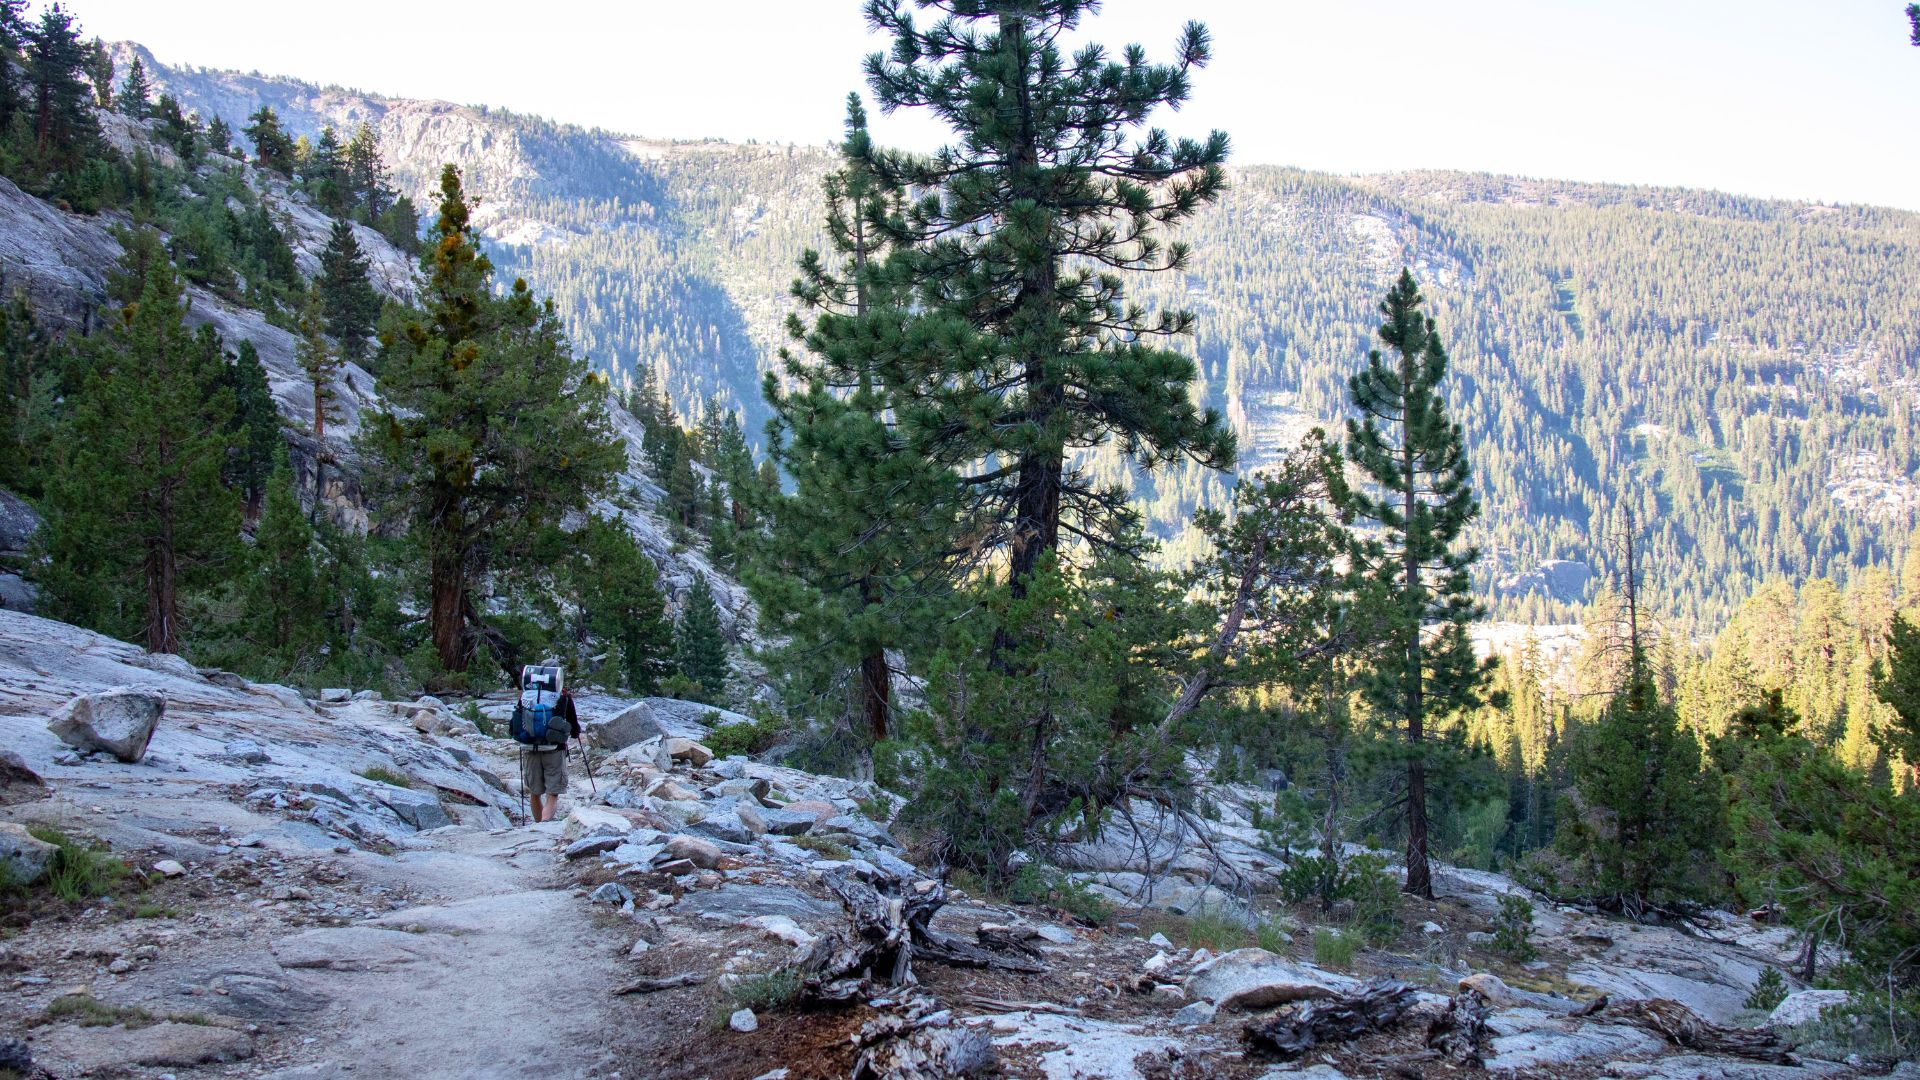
1419 874
876 686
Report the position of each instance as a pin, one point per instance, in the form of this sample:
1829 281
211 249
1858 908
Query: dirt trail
507 976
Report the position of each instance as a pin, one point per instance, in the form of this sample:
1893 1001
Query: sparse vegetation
80 871
90 1011
384 775
820 845
1334 948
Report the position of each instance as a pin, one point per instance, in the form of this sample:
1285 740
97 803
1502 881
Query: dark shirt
565 710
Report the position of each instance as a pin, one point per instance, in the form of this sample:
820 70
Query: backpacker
534 723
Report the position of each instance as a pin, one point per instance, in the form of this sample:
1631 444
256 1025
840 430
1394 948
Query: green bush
1768 992
764 991
727 740
1513 928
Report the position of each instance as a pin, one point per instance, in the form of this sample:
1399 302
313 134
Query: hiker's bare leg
553 806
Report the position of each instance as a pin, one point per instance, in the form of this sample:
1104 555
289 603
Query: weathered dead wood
920 1045
886 933
1021 1006
1293 1031
1460 1033
650 986
1683 1027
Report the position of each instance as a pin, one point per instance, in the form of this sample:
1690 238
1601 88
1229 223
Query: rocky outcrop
1805 1007
659 717
1247 979
18 782
118 721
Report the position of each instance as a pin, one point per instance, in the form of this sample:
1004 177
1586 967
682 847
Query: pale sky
1807 99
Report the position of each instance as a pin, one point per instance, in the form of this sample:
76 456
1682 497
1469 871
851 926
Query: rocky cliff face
61 261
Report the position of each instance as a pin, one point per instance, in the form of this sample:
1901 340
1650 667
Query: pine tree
15 33
700 651
349 301
136 93
318 359
854 562
493 431
220 136
258 442
615 589
136 511
1028 352
1897 683
271 147
30 363
365 177
1415 458
324 173
99 69
65 132
283 602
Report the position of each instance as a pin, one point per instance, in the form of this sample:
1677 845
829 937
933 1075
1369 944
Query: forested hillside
1742 371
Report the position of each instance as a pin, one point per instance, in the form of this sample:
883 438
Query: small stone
119 721
120 966
1159 963
611 893
701 853
1432 928
640 949
1159 941
168 868
743 1021
688 751
594 845
1489 986
1196 1012
750 817
1058 935
1479 937
1169 993
336 695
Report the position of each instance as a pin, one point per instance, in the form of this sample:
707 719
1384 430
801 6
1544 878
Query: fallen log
1460 1033
1292 1032
651 986
1685 1028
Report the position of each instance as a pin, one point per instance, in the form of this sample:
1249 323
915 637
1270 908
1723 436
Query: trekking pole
587 760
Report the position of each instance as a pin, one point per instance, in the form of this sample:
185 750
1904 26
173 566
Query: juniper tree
853 563
492 433
1419 493
137 514
700 650
349 302
1050 190
136 93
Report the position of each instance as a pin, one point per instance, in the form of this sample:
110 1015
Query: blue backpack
530 725
533 717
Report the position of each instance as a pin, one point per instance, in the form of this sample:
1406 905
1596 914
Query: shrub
90 1011
1272 937
764 991
1768 992
1332 948
727 740
1513 928
820 845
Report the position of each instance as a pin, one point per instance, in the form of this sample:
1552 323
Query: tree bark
1419 874
876 689
447 614
1289 1033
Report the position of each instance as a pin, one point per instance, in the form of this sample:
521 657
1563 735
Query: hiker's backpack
534 722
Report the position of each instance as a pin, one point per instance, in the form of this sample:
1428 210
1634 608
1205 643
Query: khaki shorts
544 772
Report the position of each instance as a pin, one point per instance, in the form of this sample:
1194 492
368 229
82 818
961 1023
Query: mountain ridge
1737 368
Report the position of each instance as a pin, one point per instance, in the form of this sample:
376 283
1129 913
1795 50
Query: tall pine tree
700 650
348 299
65 131
493 432
853 563
1030 351
1420 494
136 93
137 514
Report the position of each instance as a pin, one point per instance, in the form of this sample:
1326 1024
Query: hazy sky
1810 99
